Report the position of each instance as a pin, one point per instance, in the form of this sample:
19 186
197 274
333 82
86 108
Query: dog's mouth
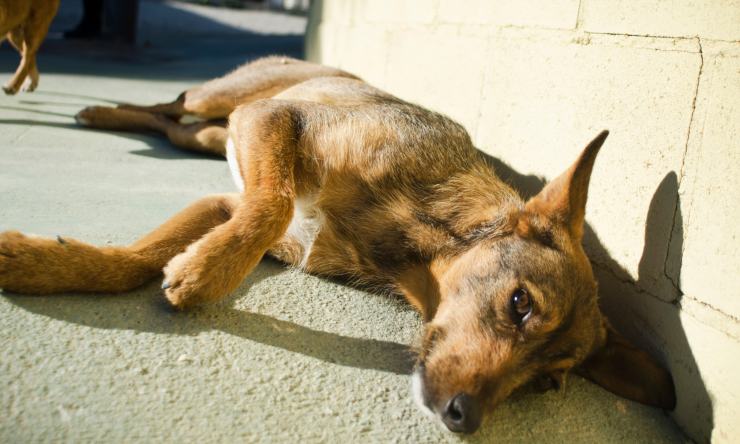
418 391
459 414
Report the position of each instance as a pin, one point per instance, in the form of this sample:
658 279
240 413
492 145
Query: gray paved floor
290 358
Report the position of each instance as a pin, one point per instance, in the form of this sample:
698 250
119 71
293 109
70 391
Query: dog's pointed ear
629 372
563 201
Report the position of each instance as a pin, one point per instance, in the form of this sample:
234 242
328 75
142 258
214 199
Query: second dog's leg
207 137
31 34
32 80
34 265
27 59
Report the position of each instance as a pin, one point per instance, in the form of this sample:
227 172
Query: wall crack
675 280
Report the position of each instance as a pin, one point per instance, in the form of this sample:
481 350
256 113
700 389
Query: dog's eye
521 305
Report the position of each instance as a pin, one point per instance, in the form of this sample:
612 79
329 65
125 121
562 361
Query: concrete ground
288 358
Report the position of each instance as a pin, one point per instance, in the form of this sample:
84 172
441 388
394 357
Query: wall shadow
656 289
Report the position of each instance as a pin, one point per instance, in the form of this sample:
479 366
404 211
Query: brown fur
25 24
408 206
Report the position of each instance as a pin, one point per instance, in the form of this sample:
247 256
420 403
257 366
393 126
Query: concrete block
321 43
709 189
438 68
561 14
546 95
686 18
362 49
396 11
332 11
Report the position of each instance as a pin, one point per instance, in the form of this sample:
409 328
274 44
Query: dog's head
524 306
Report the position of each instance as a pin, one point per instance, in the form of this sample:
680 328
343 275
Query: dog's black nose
462 414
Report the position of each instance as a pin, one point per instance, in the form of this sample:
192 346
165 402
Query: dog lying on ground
341 179
25 24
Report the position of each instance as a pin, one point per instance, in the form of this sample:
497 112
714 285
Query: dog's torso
376 196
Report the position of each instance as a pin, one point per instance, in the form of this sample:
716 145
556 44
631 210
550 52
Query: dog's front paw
9 90
188 281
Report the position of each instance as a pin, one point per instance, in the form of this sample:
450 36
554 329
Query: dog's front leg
266 138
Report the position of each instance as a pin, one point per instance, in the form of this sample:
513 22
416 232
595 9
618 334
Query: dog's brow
487 230
546 238
436 223
564 355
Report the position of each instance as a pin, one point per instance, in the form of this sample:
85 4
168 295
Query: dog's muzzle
460 414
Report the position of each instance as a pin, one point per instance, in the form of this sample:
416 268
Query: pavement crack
22 134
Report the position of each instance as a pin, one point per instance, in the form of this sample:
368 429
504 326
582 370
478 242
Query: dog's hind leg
34 265
176 108
260 79
207 137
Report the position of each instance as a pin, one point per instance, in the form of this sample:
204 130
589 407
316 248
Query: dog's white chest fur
305 225
307 218
234 164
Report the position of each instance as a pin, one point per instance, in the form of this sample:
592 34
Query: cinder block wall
533 81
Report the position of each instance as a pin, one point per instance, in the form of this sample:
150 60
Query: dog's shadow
142 311
158 147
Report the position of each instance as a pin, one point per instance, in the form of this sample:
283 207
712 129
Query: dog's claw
61 240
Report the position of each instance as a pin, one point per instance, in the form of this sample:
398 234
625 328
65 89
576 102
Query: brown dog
25 24
342 179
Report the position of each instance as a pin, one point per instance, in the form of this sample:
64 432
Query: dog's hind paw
18 262
37 265
29 85
85 116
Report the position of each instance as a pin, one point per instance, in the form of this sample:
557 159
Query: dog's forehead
516 261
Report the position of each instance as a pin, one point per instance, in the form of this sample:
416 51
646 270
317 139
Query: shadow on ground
158 147
146 310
